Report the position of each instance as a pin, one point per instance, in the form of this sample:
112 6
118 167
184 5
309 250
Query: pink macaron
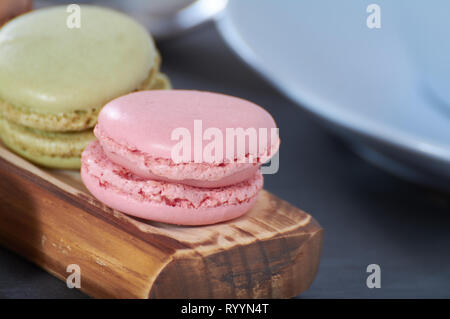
180 157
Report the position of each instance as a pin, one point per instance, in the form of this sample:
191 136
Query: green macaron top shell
48 65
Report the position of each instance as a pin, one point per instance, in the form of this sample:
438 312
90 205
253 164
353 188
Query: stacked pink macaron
180 157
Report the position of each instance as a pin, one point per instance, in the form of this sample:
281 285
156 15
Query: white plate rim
316 105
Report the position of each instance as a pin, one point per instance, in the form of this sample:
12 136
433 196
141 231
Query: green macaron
55 78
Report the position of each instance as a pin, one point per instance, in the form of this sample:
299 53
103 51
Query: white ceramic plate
363 82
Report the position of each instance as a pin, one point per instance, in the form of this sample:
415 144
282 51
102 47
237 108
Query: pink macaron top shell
145 120
135 131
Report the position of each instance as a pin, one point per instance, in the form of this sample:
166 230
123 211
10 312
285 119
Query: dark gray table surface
368 215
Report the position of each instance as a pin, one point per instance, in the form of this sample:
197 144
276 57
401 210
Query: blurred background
360 92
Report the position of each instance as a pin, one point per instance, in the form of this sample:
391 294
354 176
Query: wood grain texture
51 219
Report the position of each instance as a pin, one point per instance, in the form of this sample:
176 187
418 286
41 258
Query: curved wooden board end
273 252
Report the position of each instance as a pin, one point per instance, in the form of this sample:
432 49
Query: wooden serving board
51 219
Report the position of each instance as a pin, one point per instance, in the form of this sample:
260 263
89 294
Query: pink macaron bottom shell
206 175
161 201
162 213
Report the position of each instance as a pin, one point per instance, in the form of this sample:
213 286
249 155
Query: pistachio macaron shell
47 67
58 122
75 120
50 149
